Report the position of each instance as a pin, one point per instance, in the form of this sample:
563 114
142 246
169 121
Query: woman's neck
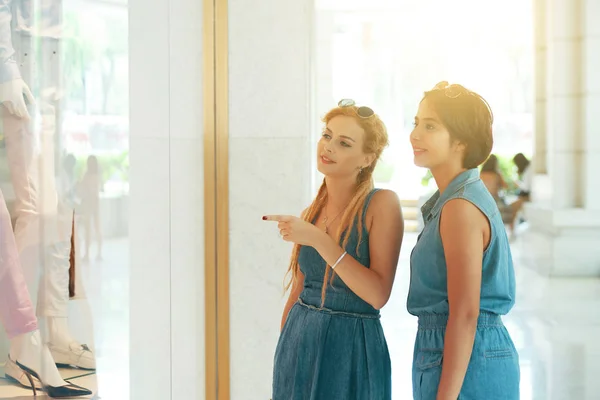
445 174
339 192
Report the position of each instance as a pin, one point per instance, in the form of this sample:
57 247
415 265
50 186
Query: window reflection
64 162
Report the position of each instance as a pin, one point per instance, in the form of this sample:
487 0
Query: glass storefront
64 178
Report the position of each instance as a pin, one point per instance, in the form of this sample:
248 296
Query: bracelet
338 260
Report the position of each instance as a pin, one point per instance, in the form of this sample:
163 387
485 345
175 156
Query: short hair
468 118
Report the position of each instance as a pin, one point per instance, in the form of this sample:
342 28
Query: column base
562 243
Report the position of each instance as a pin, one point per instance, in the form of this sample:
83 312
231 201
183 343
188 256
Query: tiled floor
555 326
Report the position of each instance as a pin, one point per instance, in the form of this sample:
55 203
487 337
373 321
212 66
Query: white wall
270 172
166 209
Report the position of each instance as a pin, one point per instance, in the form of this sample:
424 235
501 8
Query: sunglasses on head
450 91
455 91
363 111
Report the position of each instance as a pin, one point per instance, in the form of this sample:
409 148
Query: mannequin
27 351
43 224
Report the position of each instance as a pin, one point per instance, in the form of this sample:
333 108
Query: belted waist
337 299
339 313
430 321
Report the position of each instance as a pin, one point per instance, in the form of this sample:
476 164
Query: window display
63 165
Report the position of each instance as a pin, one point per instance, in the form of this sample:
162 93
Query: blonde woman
347 245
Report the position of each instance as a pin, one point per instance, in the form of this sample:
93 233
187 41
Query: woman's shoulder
475 194
384 197
382 201
384 205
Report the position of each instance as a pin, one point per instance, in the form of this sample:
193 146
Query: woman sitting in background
525 175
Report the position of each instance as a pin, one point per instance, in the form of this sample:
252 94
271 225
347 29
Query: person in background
525 173
90 187
495 183
67 182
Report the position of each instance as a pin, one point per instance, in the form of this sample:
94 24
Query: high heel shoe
12 372
60 392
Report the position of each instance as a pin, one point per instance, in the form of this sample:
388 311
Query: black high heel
60 392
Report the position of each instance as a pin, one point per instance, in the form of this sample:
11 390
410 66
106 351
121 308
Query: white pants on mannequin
30 362
18 316
43 230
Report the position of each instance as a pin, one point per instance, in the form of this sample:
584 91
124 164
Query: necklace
326 219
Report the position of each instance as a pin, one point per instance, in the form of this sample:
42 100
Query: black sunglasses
363 112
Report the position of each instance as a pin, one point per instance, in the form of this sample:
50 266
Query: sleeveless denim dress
493 372
334 352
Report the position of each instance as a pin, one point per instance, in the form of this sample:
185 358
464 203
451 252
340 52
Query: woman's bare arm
464 231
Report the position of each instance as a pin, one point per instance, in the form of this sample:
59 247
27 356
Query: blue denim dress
493 372
334 352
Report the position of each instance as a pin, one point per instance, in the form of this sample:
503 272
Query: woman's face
432 144
340 149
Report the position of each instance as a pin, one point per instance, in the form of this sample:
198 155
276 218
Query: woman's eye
344 144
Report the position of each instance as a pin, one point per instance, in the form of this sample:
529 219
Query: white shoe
38 366
14 372
76 355
35 360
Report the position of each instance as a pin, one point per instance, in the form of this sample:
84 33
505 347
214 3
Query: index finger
278 218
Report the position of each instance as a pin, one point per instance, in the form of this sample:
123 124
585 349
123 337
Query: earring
360 170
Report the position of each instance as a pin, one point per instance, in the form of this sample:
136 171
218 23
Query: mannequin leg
18 316
42 233
16 311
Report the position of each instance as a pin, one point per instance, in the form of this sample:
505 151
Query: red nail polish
264 218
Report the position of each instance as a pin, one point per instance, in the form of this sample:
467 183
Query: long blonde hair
376 139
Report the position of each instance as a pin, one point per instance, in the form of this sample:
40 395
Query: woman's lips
326 160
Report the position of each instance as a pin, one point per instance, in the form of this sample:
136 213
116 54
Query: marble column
166 209
322 97
564 102
591 104
565 224
270 173
541 52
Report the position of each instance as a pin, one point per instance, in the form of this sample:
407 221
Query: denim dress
334 352
493 371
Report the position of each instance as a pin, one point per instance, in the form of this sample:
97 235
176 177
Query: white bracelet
338 260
